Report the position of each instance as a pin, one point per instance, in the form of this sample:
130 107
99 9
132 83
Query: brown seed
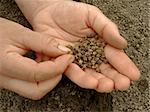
89 53
94 53
80 61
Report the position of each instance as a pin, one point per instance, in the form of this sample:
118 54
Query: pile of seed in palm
89 53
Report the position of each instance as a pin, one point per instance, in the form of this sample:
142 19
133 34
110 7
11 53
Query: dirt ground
132 17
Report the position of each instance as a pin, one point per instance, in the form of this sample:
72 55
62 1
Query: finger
29 89
121 62
42 44
16 66
49 69
79 77
121 82
104 84
105 28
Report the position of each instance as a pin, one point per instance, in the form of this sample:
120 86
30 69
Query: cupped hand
25 76
69 21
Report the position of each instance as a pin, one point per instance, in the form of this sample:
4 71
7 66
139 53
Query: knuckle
53 41
50 41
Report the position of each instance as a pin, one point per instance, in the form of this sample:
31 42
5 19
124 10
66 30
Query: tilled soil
132 17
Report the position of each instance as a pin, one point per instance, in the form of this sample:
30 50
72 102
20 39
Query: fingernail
63 48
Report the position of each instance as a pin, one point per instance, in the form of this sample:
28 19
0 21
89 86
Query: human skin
25 76
69 21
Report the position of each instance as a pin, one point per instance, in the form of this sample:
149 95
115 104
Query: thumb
42 44
105 28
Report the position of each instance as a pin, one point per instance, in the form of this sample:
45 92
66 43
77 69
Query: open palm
69 21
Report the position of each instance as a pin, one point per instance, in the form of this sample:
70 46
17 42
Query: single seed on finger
63 48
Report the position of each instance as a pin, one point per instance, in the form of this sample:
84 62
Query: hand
23 75
70 21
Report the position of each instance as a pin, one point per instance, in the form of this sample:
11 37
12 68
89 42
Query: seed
94 53
80 61
63 48
89 53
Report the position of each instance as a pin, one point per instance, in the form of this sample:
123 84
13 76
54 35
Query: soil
132 17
